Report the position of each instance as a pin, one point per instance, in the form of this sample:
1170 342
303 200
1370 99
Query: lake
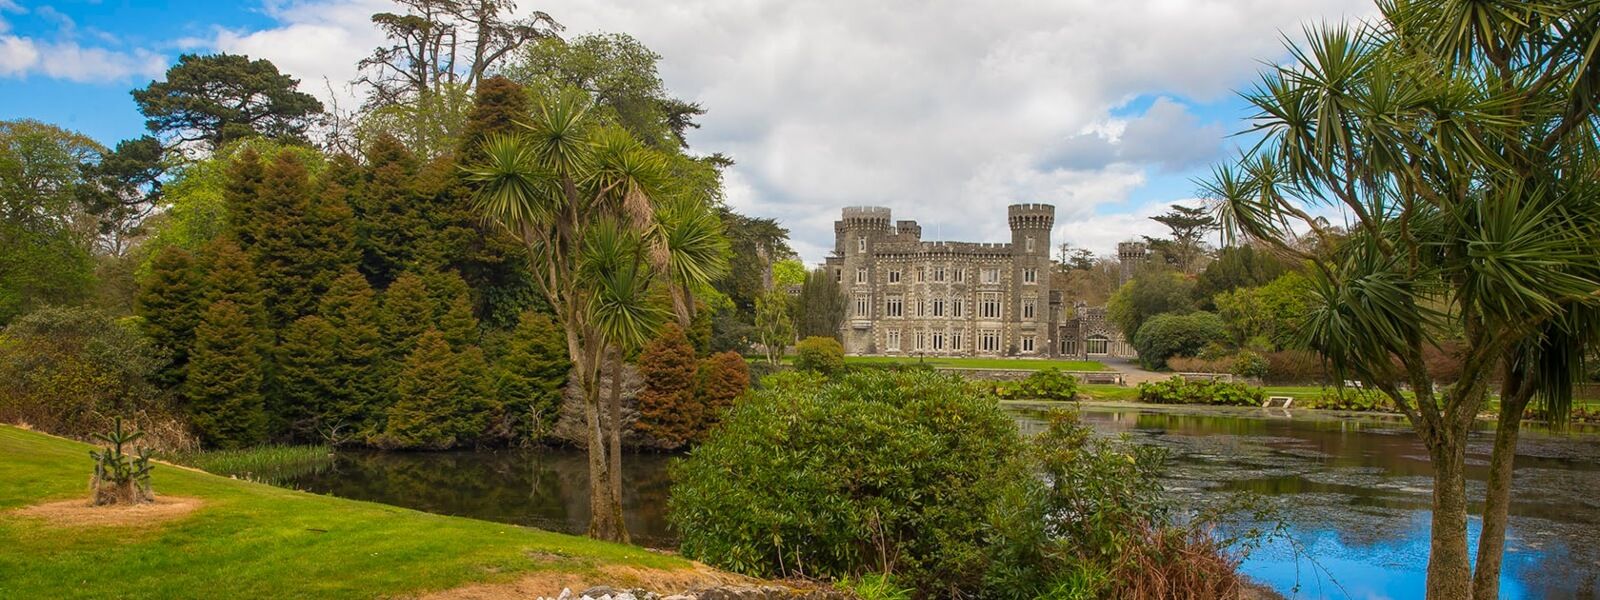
1350 493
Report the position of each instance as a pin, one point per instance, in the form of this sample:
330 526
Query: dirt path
1131 373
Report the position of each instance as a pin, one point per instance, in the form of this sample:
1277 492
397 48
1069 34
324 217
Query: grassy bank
265 464
249 539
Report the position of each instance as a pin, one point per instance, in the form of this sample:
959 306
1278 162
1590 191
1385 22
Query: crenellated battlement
1031 216
865 218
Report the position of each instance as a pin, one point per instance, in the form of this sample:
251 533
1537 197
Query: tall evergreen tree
430 394
822 306
406 313
286 251
532 374
496 108
229 275
357 385
240 194
169 303
224 383
667 407
307 363
388 220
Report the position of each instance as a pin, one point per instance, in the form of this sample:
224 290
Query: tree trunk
1449 568
616 425
605 508
1497 500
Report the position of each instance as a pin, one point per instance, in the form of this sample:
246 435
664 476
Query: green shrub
1352 399
1044 384
874 586
1250 364
871 472
819 355
1168 335
1218 393
119 479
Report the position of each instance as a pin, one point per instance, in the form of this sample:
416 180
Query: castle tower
1028 319
1132 256
856 236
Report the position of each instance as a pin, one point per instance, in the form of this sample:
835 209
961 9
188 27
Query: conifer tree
532 374
229 275
457 323
169 302
667 408
306 376
721 378
429 393
406 313
239 194
358 387
478 402
224 383
388 218
283 233
496 108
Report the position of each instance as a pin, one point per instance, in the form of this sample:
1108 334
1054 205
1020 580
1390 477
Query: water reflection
1353 492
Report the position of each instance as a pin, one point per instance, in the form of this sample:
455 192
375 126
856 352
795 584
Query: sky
945 111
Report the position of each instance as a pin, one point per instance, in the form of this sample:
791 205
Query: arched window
1096 345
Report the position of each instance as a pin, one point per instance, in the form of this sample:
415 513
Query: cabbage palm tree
1459 139
603 218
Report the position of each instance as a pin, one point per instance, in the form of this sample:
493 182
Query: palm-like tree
605 220
1460 138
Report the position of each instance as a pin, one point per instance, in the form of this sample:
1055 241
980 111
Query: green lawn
1131 393
1033 364
253 540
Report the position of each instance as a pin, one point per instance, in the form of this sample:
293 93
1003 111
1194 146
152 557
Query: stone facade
909 297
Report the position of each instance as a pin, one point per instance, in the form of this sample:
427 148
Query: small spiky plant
118 477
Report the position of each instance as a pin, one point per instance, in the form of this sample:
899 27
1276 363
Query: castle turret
1030 277
1132 256
857 235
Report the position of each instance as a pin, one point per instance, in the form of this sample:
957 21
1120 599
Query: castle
912 297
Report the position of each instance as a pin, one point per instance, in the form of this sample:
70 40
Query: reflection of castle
911 297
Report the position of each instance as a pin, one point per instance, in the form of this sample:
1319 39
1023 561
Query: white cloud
944 110
24 56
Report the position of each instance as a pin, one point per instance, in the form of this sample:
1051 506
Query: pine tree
667 408
496 107
229 275
389 222
428 398
406 313
478 402
169 303
225 378
284 262
359 391
457 324
306 377
532 374
721 378
240 194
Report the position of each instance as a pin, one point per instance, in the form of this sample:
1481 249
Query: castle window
861 274
1029 243
989 340
891 340
938 273
1028 308
922 274
894 275
957 307
960 275
938 307
1069 347
1027 343
861 245
955 340
922 308
1096 344
990 276
893 306
938 340
863 306
989 306
838 275
1030 275
920 335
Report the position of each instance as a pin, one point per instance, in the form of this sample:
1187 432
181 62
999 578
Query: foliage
218 98
68 371
168 305
1196 364
873 586
224 386
437 397
1151 292
270 463
1188 226
822 481
1295 366
1342 398
821 306
787 272
773 327
1214 392
1045 384
306 364
668 408
1273 312
46 231
1236 267
824 355
1458 138
531 375
119 479
1250 364
720 379
356 381
1168 335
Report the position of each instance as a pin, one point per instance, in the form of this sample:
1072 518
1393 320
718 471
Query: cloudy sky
944 111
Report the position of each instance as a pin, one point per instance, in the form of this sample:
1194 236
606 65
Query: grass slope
253 540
